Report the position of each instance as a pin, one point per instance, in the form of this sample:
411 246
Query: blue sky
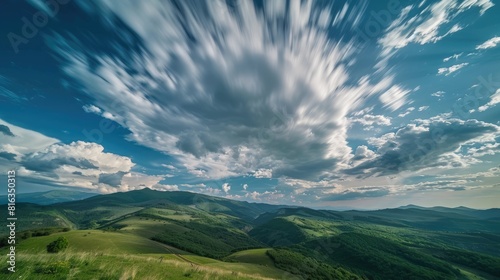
349 104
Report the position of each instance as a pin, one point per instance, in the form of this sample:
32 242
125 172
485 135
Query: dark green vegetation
266 240
58 245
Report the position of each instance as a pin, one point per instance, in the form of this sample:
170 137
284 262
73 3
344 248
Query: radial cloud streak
272 81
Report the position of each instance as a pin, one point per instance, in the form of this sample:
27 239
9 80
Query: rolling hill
262 240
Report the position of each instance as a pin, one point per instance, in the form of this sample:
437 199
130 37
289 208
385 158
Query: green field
257 256
96 254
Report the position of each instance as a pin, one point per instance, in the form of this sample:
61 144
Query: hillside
218 233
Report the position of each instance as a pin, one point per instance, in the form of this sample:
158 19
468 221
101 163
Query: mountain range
272 240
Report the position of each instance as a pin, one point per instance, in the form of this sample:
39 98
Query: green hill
206 237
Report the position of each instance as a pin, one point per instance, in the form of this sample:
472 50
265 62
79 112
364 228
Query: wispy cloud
429 25
448 70
494 100
455 56
491 43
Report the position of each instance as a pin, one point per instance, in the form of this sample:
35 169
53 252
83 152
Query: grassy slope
257 256
95 254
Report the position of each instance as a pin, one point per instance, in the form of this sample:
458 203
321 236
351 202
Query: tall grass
90 265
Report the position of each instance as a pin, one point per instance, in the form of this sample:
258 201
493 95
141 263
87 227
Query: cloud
428 25
6 131
494 100
92 109
353 195
452 185
7 93
407 112
439 93
455 56
369 120
245 187
163 187
487 149
451 69
394 98
81 155
112 179
423 108
269 196
24 142
43 160
226 187
263 173
86 165
272 90
426 144
7 155
363 153
363 112
491 43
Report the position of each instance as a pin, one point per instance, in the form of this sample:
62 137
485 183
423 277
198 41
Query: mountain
50 197
410 242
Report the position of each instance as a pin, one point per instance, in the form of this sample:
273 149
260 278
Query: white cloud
362 112
494 100
268 196
363 153
428 25
169 166
486 149
84 165
273 92
455 56
91 109
451 69
394 98
78 153
46 160
439 93
226 187
24 141
423 108
407 112
263 173
369 120
491 43
245 187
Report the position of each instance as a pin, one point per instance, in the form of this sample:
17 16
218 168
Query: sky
337 105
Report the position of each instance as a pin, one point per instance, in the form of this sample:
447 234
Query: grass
86 266
95 254
146 227
96 241
255 256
